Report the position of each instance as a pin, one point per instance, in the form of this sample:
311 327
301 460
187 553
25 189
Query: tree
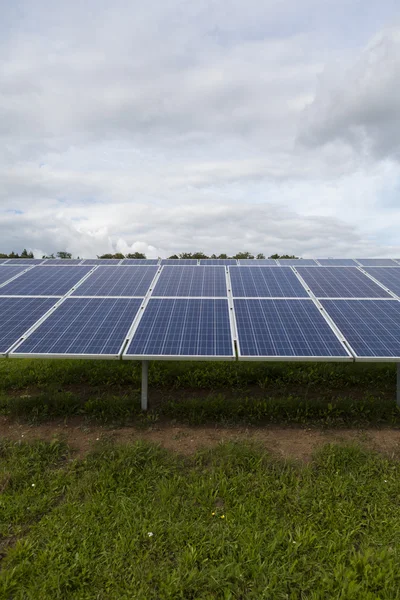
173 256
65 255
283 256
49 256
260 256
118 256
26 254
135 255
243 255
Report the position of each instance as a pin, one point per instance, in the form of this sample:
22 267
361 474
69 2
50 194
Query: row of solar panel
305 262
212 282
280 321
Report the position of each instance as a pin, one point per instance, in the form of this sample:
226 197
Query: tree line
182 255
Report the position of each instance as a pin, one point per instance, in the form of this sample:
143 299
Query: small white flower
33 485
150 534
97 439
385 480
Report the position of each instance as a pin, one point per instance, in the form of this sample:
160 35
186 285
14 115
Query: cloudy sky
170 125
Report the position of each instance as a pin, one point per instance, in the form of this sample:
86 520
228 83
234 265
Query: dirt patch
286 442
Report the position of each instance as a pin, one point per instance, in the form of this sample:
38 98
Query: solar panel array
329 309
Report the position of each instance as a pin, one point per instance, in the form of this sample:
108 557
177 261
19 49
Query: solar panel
45 281
117 281
387 276
17 315
257 262
181 327
7 273
179 261
65 262
376 262
140 261
24 261
283 329
83 327
297 262
191 281
341 282
218 261
101 261
337 262
371 327
259 282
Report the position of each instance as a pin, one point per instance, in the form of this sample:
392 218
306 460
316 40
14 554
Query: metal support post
398 385
145 380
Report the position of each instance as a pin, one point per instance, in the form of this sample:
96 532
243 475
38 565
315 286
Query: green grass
333 394
228 523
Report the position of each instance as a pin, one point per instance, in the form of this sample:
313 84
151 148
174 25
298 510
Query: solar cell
297 262
101 261
191 281
388 276
140 261
179 261
341 282
265 282
256 262
371 327
7 273
45 281
17 315
337 262
24 261
376 262
191 328
83 327
285 328
218 261
65 262
117 281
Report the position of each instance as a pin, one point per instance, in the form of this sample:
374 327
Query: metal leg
145 380
398 385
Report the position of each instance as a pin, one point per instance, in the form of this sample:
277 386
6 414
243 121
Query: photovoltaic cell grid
191 281
284 328
101 261
65 262
7 272
260 282
140 261
297 262
45 281
83 326
24 261
17 315
218 261
388 276
256 262
179 261
371 327
376 262
337 262
183 327
340 282
117 281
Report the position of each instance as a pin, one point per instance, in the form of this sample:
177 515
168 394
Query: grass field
231 521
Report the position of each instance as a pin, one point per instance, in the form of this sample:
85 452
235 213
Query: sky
172 126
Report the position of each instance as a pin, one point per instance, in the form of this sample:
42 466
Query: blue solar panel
101 261
24 261
191 281
83 326
45 281
17 315
371 327
179 261
218 261
183 327
7 273
337 262
341 282
376 262
117 281
140 261
284 328
260 282
388 276
65 262
257 262
297 262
